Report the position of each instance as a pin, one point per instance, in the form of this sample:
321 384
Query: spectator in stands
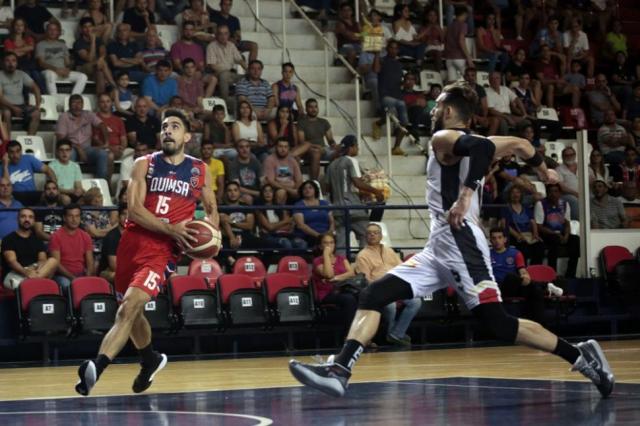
35 16
575 75
107 265
489 43
217 132
97 223
517 67
510 271
311 223
221 57
247 127
90 55
374 261
177 103
409 43
257 91
601 99
282 126
365 61
551 37
526 131
568 172
203 28
632 108
68 173
628 170
615 41
390 74
224 17
622 77
72 248
23 46
142 127
277 226
77 126
13 84
455 7
8 219
549 73
282 171
532 104
160 87
286 93
152 51
607 212
125 55
481 114
329 269
122 97
345 184
347 32
246 171
629 194
504 105
191 86
457 56
20 170
187 48
521 226
49 216
576 46
598 170
117 142
103 25
168 13
313 130
216 168
237 226
613 139
53 57
433 36
23 254
139 17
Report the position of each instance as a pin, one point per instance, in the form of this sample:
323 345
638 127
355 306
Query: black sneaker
593 365
88 377
330 378
148 372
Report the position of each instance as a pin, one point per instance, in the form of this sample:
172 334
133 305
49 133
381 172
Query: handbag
353 285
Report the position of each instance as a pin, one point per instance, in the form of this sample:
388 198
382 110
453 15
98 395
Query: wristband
534 161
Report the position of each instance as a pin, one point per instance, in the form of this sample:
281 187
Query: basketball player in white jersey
456 254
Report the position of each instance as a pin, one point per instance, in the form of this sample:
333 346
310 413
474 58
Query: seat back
197 304
48 108
68 31
245 303
289 296
546 113
209 269
85 286
542 273
434 306
168 35
429 77
251 266
278 281
33 144
42 307
87 184
209 103
179 285
93 303
157 313
554 150
482 78
295 265
612 255
34 287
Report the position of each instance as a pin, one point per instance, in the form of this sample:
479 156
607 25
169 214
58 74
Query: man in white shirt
504 105
576 46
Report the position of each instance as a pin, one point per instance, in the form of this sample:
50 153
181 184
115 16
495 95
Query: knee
503 326
128 311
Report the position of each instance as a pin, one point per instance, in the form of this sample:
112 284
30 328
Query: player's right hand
455 215
183 235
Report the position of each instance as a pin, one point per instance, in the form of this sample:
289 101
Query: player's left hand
549 176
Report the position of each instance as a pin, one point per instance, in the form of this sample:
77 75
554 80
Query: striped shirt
258 93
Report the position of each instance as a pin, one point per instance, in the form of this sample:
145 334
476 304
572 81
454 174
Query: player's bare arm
208 199
138 213
511 145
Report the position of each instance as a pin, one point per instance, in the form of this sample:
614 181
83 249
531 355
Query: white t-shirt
501 102
569 178
582 45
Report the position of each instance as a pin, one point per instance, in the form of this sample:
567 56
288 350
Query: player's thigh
424 273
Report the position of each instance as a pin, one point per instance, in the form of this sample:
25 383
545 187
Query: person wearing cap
344 182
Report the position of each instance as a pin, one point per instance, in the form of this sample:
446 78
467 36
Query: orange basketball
209 240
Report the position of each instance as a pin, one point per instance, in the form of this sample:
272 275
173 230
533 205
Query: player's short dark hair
180 115
85 20
497 229
314 185
71 206
462 98
13 143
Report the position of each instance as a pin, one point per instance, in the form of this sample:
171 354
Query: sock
349 354
566 351
101 362
146 354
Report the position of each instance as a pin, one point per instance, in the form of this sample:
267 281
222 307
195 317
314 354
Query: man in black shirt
142 127
139 17
23 254
49 219
110 242
35 16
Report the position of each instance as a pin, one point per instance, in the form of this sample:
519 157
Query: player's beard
170 150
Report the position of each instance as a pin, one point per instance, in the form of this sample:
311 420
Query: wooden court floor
510 362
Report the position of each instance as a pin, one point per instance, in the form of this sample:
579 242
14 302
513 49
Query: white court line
262 421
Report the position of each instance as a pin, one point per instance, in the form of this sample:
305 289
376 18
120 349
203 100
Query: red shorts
142 258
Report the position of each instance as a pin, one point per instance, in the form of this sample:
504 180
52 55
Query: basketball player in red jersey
165 187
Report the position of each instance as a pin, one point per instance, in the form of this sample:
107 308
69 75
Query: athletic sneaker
88 377
554 290
593 365
148 372
330 378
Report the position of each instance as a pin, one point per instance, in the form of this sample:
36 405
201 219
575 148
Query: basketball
209 240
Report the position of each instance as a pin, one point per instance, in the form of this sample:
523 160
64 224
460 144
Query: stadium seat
251 266
434 306
243 300
295 265
41 307
87 184
48 107
208 269
540 187
482 78
158 312
546 113
168 35
554 150
194 303
289 298
542 273
68 31
93 304
609 257
209 103
33 144
429 77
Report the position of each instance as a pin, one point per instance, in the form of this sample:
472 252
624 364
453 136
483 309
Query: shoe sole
87 379
160 366
327 385
605 367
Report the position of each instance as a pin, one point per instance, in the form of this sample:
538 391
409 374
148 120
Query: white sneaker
554 290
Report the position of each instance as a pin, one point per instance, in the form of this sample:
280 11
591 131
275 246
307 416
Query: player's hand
548 176
183 235
455 215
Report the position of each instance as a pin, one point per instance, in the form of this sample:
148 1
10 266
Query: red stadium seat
93 302
542 273
243 299
289 297
179 285
195 304
41 307
295 265
251 266
209 269
610 256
